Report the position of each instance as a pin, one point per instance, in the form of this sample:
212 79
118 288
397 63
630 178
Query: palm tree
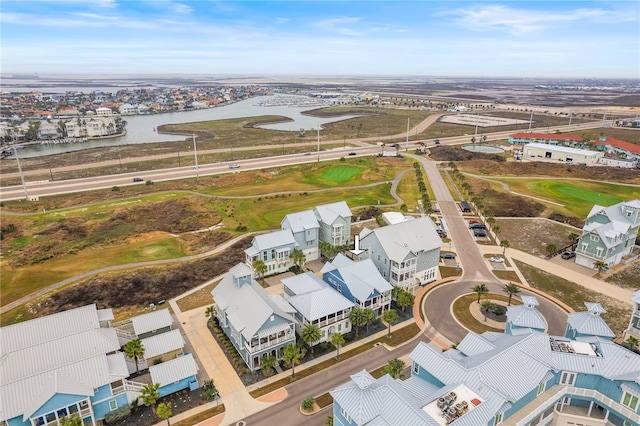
511 289
389 316
337 340
210 312
600 265
496 229
310 334
134 349
291 355
357 318
486 305
72 420
260 268
267 363
490 220
505 245
573 237
632 342
298 258
405 299
164 411
480 289
150 394
369 317
394 368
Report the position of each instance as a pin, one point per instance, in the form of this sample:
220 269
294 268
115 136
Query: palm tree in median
511 289
134 349
310 334
390 316
480 289
505 245
337 340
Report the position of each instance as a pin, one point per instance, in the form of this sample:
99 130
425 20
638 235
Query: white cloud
523 21
342 25
182 8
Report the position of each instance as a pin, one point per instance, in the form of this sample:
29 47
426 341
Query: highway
47 188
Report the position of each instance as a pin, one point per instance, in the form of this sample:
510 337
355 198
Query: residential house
634 323
163 347
608 234
315 302
256 322
589 323
274 249
360 282
522 379
175 375
104 111
619 147
535 151
406 254
48 130
567 139
335 223
128 109
60 365
306 231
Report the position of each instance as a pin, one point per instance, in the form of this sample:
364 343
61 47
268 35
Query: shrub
115 188
149 182
307 404
117 415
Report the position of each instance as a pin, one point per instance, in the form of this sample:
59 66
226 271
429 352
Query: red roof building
617 143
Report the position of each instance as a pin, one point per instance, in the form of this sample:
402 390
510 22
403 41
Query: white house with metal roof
256 322
523 379
335 223
360 282
162 347
274 249
525 316
176 374
406 254
608 234
306 231
589 323
634 322
315 302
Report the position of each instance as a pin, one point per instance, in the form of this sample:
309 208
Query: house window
630 400
599 252
264 256
541 386
84 404
339 327
345 415
498 419
416 368
585 246
385 260
568 378
113 405
339 289
594 238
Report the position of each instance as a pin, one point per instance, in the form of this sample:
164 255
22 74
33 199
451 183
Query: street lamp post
24 185
195 153
318 144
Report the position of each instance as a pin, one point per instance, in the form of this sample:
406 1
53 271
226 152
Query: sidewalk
619 293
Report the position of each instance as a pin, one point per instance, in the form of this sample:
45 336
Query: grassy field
460 310
576 196
408 191
574 295
197 299
534 234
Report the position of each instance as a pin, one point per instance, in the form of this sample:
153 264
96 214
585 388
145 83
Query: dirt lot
532 235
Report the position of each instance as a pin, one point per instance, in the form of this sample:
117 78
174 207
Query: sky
547 39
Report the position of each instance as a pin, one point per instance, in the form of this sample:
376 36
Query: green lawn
341 174
577 196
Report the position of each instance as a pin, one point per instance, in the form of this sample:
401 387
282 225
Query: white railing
117 390
604 401
269 343
121 323
125 334
133 386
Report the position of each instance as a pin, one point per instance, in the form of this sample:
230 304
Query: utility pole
195 153
24 185
318 144
408 120
530 121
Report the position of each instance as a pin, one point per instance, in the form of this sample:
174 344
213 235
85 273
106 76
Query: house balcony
567 414
330 320
257 346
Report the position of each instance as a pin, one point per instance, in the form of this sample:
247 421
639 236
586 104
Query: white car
234 166
496 259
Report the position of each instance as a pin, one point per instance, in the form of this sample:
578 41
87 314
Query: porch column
590 408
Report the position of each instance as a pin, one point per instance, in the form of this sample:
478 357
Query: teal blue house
522 377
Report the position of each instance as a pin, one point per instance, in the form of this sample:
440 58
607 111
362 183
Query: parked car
234 166
472 221
477 226
436 141
496 259
138 179
442 234
447 256
307 153
352 153
479 233
568 254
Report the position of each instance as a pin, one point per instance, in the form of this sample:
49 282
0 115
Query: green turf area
576 196
341 174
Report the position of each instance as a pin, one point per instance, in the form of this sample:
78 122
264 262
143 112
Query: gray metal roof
246 303
151 321
328 213
303 283
589 323
526 316
162 343
473 344
363 279
316 304
174 370
565 149
301 221
273 240
406 239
